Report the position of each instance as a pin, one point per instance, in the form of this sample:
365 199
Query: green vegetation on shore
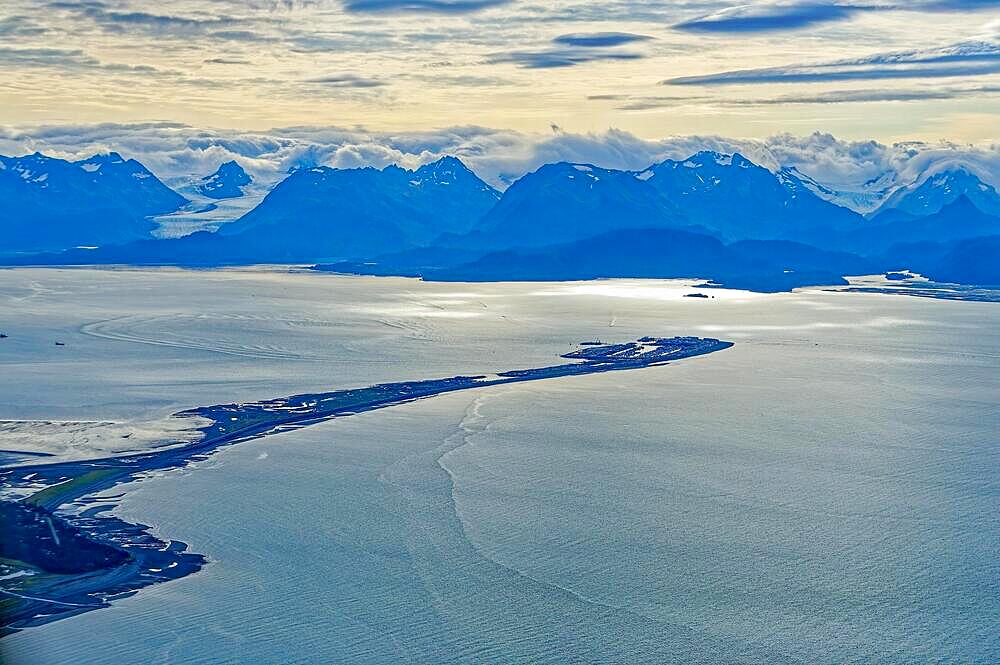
52 496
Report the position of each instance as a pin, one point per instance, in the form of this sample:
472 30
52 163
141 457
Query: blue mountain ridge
360 212
937 191
737 199
958 220
760 265
712 215
51 203
971 261
562 202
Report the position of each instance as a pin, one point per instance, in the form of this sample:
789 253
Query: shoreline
106 558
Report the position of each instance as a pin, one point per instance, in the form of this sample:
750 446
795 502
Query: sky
919 69
352 82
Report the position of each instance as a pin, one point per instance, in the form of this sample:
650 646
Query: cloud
554 58
164 25
873 167
424 6
599 39
782 16
20 26
575 49
963 59
240 36
226 61
645 103
769 17
144 20
461 80
45 57
426 62
72 59
860 96
347 81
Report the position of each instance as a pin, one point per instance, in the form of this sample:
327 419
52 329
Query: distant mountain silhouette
226 183
787 255
563 202
52 204
323 211
764 265
738 199
939 190
955 221
969 261
624 252
725 195
719 217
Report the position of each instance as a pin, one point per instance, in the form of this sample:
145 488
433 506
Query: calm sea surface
827 491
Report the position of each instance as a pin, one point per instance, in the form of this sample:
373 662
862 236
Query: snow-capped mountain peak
936 190
446 171
226 183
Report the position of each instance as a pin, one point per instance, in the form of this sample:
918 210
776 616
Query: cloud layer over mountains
177 152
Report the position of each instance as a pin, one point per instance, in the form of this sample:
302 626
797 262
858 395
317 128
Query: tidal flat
824 491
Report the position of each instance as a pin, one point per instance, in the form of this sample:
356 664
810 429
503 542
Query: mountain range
737 199
717 216
355 212
52 204
760 265
563 202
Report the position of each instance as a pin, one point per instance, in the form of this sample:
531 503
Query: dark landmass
695 295
51 545
970 261
959 220
933 290
66 557
757 265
